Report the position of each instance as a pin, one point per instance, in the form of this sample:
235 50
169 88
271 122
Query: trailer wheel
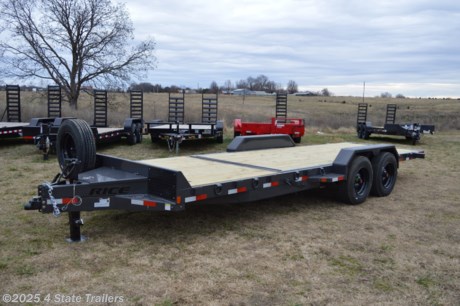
385 173
139 133
220 139
358 184
75 148
236 134
365 134
296 139
131 137
360 135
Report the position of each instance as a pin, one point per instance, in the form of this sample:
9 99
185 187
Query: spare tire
75 148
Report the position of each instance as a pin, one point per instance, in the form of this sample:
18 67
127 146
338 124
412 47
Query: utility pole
364 89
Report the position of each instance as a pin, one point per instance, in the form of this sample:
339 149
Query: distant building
247 92
263 93
243 92
306 93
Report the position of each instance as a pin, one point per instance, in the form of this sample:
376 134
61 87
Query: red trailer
278 125
292 127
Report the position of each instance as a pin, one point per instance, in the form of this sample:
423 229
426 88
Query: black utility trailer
174 131
411 131
13 127
131 130
254 168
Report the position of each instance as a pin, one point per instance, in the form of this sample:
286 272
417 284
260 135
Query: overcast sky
410 47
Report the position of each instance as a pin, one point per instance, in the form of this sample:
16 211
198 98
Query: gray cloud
405 46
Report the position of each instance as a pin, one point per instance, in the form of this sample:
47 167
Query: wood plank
204 172
13 124
285 159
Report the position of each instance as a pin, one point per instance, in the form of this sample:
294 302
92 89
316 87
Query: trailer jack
75 222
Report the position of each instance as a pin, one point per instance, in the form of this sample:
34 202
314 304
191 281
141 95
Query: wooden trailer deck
206 169
13 124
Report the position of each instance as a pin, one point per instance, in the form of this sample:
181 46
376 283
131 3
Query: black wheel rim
360 182
68 148
388 175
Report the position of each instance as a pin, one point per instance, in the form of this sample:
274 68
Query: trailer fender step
260 142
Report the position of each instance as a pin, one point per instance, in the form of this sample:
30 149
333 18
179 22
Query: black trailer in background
411 131
175 130
13 128
132 128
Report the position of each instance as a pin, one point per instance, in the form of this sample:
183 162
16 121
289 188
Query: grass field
302 249
323 113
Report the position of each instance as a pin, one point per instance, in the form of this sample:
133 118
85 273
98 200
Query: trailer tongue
98 182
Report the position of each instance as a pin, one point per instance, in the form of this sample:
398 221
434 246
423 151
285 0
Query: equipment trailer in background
257 167
131 130
14 128
412 131
278 125
175 130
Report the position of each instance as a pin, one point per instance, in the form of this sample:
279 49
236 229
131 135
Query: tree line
259 83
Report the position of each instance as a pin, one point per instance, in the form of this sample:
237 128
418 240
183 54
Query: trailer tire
236 134
385 170
75 140
359 182
220 139
366 134
360 129
296 139
139 133
131 137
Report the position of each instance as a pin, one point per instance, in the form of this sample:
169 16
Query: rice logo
109 191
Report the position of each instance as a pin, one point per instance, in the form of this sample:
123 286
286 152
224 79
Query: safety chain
56 211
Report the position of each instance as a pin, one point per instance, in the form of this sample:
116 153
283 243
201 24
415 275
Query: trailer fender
75 148
343 161
260 142
132 128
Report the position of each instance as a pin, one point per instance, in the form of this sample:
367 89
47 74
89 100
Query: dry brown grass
302 249
320 112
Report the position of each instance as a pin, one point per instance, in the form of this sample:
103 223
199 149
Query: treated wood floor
220 167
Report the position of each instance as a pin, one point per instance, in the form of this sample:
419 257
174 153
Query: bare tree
242 84
386 94
214 88
326 93
228 86
292 87
72 42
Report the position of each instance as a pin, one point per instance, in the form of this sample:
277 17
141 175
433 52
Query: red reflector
150 204
242 189
323 180
67 201
274 184
201 197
